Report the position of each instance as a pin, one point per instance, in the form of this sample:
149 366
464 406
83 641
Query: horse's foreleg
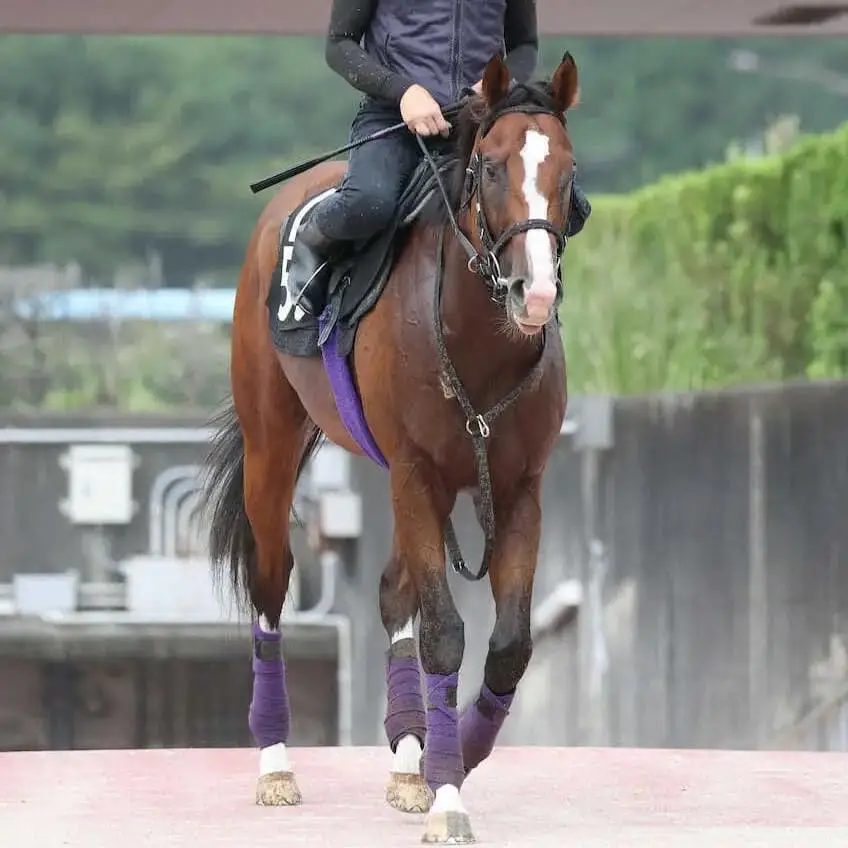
405 722
419 545
510 645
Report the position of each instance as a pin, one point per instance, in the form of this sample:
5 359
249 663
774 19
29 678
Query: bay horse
467 322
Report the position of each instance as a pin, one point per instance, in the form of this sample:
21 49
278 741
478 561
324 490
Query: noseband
485 263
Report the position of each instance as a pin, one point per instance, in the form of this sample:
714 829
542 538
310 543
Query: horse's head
518 188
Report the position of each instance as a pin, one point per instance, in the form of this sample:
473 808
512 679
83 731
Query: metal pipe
569 427
134 435
104 435
562 602
320 615
157 496
187 521
344 664
181 490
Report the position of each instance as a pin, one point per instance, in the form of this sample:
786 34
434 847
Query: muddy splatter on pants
376 176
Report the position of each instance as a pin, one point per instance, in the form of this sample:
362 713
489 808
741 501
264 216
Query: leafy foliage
733 274
137 152
115 149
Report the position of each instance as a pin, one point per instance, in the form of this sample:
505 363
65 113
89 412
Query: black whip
282 176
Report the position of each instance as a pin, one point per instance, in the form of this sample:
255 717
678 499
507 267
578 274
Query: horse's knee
510 650
442 634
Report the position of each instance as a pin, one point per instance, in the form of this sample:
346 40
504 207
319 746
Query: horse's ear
565 84
496 80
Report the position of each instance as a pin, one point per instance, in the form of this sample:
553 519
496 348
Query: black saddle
356 280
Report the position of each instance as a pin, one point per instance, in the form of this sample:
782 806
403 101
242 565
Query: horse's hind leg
510 645
275 430
405 722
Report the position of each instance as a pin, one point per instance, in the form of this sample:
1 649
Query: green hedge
731 275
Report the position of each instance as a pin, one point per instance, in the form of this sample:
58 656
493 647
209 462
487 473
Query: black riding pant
377 174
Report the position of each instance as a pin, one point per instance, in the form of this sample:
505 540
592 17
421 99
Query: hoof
448 828
408 793
278 789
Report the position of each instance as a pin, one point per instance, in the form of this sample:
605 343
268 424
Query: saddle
358 278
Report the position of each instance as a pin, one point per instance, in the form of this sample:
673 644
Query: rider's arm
521 38
348 21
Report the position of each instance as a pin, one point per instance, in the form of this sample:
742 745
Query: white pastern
407 756
447 800
405 632
274 759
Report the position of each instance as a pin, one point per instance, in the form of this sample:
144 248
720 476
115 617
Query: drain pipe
320 615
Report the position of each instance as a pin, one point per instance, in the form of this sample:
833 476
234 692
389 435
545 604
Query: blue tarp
215 305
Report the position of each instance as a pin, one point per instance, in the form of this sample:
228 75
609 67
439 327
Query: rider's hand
421 113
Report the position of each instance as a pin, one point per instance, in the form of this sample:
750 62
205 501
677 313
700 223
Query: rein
478 427
485 265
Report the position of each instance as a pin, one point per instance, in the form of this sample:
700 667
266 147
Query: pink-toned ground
522 797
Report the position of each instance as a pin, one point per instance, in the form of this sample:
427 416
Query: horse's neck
489 355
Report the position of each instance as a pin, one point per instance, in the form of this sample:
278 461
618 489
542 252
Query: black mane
453 154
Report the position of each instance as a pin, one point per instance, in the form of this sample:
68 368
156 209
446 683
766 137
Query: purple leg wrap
443 750
269 708
480 724
404 704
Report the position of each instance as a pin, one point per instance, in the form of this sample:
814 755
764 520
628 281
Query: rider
410 58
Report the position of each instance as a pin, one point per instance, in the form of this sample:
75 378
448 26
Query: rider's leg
364 204
580 209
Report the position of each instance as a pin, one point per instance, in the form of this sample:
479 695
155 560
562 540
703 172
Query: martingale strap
485 265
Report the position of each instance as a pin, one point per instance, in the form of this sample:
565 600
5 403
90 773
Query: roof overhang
557 17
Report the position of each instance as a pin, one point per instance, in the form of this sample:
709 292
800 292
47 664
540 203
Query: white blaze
540 291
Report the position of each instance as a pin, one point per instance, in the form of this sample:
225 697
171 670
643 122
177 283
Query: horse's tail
232 546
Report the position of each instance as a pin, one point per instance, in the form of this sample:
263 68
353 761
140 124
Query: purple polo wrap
480 723
442 751
269 708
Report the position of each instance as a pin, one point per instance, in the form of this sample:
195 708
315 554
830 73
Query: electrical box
340 515
330 469
99 484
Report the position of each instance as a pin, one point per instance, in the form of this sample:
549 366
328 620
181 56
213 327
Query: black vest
443 45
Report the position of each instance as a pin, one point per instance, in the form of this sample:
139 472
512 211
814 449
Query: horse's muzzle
530 307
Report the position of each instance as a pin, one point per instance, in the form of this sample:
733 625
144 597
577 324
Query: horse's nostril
516 287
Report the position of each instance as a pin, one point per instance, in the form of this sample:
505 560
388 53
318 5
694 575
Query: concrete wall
89 681
712 543
146 702
709 538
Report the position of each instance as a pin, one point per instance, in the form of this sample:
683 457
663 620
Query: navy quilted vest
443 45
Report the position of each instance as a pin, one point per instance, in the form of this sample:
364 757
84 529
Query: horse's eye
490 170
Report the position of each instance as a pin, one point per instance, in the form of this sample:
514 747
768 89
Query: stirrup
296 300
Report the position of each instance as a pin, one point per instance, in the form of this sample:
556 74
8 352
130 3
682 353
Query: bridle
486 266
485 263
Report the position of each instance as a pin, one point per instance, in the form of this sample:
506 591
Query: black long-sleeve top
349 20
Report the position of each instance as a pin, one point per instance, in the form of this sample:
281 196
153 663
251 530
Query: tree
116 149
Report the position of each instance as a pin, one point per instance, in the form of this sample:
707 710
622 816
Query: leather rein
486 266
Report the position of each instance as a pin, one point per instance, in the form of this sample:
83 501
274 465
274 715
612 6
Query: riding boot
310 268
580 209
